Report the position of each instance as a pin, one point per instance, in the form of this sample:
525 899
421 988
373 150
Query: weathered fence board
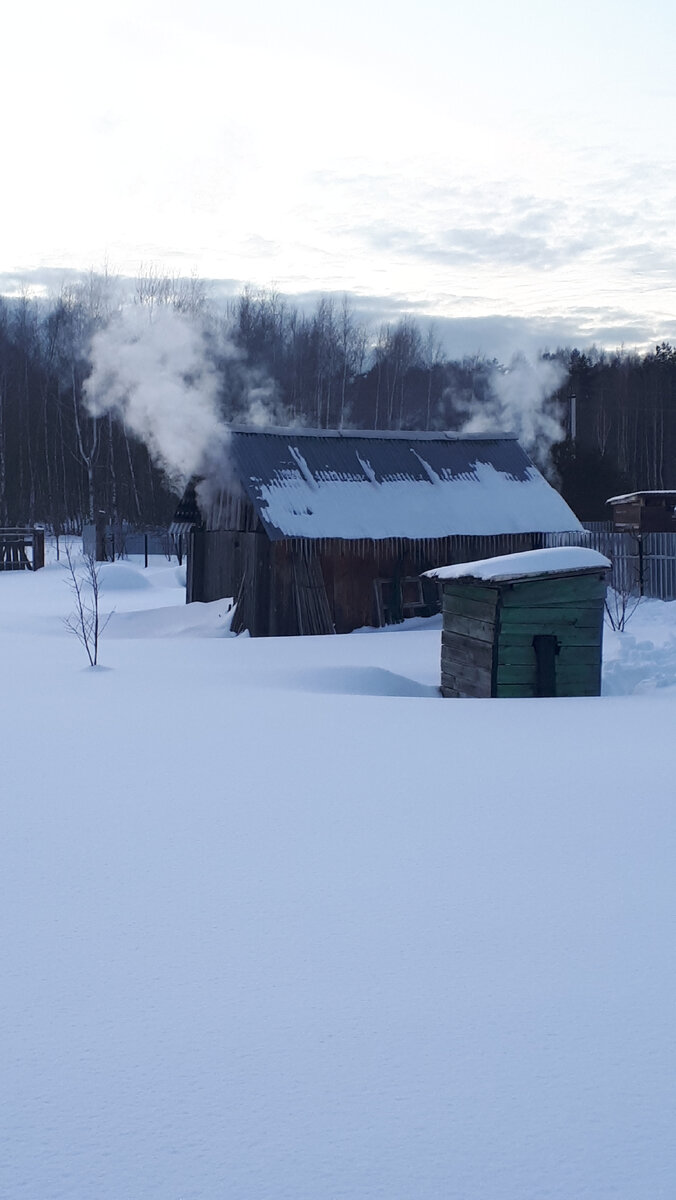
642 565
659 565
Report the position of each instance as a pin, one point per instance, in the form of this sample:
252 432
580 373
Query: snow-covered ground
278 923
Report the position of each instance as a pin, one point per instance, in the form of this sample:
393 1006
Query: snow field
276 924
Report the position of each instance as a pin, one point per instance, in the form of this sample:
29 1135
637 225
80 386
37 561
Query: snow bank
182 620
121 577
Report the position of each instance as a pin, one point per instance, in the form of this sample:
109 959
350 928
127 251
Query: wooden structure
316 531
644 512
22 549
524 624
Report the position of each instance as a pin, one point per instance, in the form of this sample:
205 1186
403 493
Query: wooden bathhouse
325 531
523 624
644 512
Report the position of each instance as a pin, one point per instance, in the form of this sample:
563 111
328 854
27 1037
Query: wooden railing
22 549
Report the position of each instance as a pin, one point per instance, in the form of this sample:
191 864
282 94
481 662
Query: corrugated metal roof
270 456
356 484
389 435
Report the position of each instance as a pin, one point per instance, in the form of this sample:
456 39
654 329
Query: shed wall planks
494 636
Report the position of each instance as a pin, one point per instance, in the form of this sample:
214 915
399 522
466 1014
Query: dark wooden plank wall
314 586
228 510
351 568
226 564
468 640
569 610
487 643
223 554
296 599
645 514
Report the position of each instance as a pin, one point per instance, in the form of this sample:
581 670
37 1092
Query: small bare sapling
86 621
621 604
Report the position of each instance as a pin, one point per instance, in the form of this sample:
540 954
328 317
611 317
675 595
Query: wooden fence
110 542
22 549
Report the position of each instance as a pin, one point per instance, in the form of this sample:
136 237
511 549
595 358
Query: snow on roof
375 485
637 495
559 560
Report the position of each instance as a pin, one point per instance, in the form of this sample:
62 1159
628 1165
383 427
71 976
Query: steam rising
153 370
521 403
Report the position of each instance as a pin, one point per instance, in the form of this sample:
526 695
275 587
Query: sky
507 170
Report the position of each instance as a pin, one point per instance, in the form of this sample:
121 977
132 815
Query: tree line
276 362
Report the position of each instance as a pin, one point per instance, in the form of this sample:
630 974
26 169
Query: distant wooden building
644 512
322 531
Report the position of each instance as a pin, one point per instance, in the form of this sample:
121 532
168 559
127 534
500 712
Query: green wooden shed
527 624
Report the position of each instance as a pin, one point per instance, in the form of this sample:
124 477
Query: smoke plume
153 370
520 402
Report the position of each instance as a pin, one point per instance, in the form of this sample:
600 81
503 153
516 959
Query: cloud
476 324
577 228
41 281
477 245
644 257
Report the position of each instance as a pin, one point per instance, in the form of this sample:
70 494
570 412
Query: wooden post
39 549
100 528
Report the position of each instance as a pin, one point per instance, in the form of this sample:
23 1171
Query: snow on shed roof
361 484
559 560
664 494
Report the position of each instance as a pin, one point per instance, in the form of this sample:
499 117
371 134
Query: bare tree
88 443
620 607
352 344
623 596
154 289
432 357
86 621
83 309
